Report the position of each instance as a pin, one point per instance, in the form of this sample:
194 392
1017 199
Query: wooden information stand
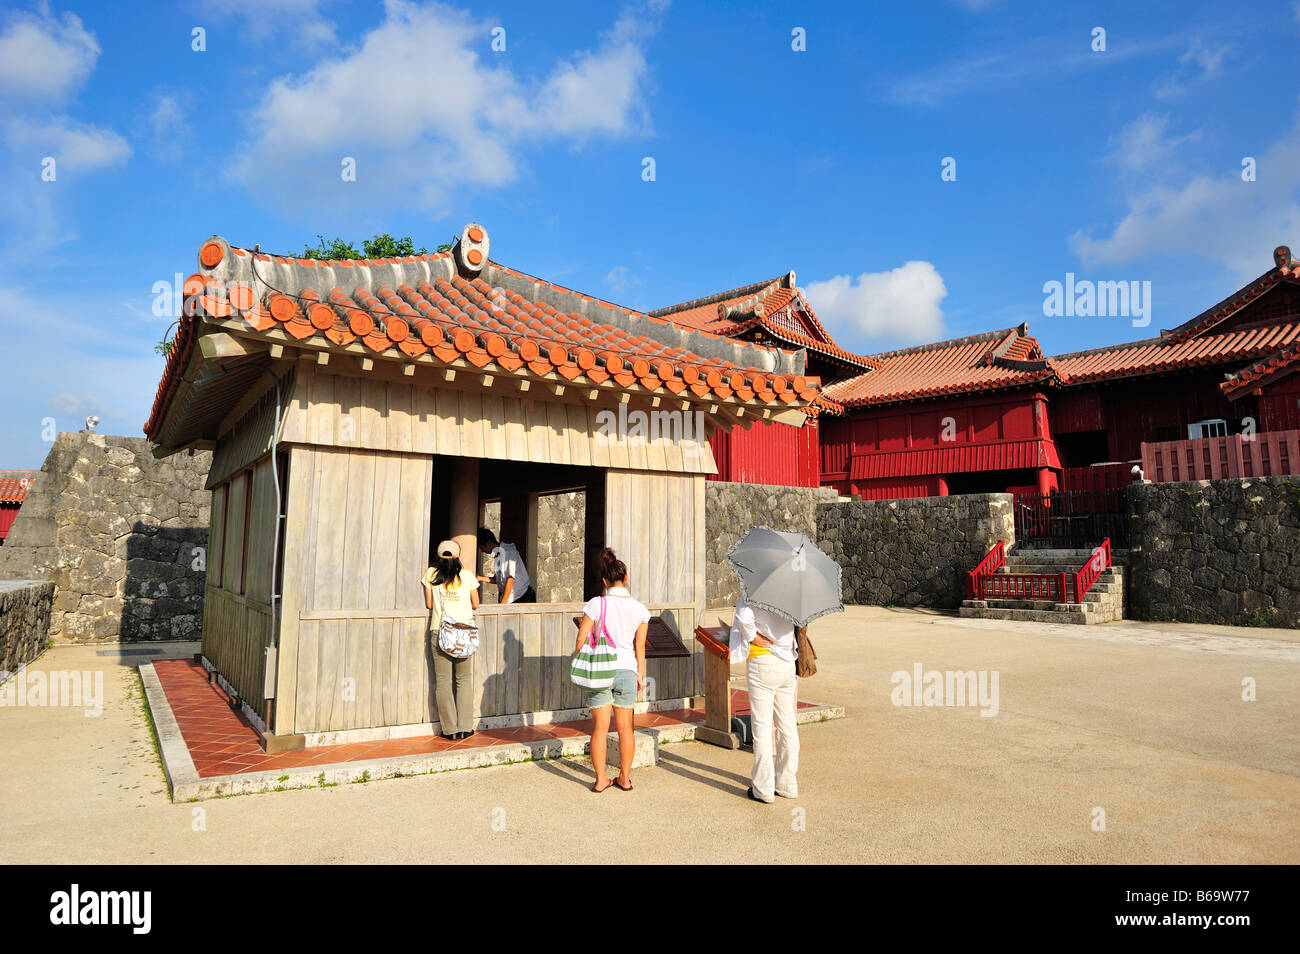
717 687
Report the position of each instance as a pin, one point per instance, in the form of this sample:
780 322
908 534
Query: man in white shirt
766 642
508 571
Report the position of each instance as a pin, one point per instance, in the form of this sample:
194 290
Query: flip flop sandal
607 787
621 788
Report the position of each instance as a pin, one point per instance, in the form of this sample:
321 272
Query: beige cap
449 548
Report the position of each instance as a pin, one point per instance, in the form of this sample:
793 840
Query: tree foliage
381 246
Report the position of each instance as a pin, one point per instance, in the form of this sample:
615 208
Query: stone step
976 609
1061 557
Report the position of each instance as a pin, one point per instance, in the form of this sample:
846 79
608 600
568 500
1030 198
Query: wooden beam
221 345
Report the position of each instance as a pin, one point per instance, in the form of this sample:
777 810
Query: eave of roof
459 308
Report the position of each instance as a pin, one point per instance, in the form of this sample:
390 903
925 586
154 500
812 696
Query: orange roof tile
14 489
438 303
945 367
770 306
1156 355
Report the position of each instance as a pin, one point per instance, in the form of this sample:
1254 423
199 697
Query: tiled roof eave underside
460 322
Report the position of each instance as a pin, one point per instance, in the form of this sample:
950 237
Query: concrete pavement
1143 722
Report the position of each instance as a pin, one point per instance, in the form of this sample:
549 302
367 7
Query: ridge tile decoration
460 308
15 489
776 307
995 359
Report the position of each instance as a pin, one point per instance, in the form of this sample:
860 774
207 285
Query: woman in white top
452 591
767 644
626 621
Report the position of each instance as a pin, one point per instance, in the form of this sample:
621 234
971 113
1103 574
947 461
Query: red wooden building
14 487
991 412
775 313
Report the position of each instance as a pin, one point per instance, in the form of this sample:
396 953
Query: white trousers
772 685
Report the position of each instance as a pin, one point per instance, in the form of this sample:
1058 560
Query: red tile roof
996 359
1155 355
777 307
441 305
1000 359
1277 365
14 490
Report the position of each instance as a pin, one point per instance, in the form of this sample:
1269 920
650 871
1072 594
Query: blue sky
1122 164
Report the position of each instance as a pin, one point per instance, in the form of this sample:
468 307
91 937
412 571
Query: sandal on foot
598 790
621 788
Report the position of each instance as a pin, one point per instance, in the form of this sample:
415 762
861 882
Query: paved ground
1143 721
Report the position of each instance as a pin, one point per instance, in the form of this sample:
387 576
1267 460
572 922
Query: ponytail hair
612 569
447 571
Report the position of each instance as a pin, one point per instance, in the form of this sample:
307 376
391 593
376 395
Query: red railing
984 582
1024 586
1264 454
994 559
1088 573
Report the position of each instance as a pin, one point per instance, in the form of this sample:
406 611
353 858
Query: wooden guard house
383 404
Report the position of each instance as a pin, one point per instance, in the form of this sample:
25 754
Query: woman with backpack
623 621
451 592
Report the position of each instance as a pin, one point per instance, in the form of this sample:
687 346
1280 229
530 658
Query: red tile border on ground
221 742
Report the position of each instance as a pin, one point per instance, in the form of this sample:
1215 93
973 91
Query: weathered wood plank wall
342 410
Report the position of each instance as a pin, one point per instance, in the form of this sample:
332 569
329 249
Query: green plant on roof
381 246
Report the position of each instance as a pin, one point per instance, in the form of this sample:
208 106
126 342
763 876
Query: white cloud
999 67
45 58
169 128
1220 219
901 305
1144 144
262 20
76 146
1201 62
423 114
620 280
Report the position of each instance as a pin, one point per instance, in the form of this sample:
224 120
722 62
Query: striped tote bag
594 666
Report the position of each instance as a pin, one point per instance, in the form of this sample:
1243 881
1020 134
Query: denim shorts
622 694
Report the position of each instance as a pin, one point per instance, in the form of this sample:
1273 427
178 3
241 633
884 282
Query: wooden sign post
717 687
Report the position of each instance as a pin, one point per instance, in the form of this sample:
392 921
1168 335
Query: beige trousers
454 685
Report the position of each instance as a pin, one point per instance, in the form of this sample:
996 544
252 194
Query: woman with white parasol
786 583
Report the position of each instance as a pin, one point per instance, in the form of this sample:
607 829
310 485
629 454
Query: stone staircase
1103 602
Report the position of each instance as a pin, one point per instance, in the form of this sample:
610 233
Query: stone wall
561 525
912 552
1216 551
24 621
120 534
732 508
